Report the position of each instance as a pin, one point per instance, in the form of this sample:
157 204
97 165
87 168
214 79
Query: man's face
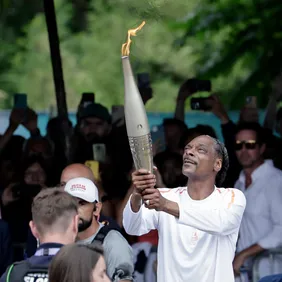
35 175
200 159
85 214
248 151
94 129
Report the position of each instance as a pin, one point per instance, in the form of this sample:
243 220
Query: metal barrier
270 254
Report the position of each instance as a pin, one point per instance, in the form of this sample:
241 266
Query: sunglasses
249 144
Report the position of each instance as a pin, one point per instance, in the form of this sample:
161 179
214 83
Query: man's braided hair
222 153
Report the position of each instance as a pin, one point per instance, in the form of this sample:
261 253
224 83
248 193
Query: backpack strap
103 232
21 268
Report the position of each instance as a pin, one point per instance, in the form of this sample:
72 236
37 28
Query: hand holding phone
20 101
87 98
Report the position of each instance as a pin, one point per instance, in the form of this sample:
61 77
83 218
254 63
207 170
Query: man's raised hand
143 179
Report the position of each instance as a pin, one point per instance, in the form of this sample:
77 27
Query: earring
38 243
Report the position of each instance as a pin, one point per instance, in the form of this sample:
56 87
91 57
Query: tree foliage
91 54
233 42
246 33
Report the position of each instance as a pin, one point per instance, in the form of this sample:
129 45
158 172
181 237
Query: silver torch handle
136 120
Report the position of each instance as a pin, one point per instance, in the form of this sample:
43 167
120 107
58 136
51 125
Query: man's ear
97 211
33 229
75 223
217 165
262 149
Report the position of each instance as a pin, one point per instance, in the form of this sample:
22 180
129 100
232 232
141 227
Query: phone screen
99 152
251 102
20 101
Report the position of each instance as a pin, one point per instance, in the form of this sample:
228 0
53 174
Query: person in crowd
79 263
198 225
10 160
174 129
70 172
5 246
80 170
36 171
16 211
94 126
261 182
169 165
118 253
55 133
54 224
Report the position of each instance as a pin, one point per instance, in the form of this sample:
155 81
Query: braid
222 153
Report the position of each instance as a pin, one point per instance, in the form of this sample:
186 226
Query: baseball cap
82 188
95 110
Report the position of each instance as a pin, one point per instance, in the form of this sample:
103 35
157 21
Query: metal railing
270 254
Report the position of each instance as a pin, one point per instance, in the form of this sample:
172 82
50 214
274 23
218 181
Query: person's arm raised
137 219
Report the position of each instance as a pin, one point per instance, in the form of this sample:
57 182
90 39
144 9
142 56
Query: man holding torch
198 225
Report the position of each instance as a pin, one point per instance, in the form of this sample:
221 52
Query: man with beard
198 224
118 253
93 127
261 182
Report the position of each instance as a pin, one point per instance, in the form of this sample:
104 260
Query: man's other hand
153 199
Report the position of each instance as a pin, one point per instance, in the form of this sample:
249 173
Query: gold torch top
125 49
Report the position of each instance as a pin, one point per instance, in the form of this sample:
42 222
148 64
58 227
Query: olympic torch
136 120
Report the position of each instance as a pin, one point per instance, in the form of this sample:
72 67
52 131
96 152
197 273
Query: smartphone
200 104
158 138
251 102
87 98
143 80
99 152
118 115
20 101
94 166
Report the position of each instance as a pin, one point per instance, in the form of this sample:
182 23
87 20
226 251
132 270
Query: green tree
92 57
241 39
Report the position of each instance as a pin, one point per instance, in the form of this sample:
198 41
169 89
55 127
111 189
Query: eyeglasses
249 144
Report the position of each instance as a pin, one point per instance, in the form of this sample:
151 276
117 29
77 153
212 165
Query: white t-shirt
200 245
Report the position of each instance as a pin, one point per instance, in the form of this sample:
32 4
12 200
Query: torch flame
125 49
